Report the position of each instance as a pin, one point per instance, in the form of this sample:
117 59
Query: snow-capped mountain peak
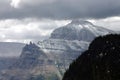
79 30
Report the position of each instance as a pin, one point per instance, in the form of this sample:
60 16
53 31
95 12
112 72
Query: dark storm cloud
62 9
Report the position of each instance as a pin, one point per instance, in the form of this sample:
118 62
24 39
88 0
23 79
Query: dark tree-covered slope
100 62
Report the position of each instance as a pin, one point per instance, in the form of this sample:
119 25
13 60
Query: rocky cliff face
30 56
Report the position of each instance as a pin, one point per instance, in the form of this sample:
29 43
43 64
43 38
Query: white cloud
15 3
27 29
20 3
112 23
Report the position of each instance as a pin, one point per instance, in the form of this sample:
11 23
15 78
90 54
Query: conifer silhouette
100 62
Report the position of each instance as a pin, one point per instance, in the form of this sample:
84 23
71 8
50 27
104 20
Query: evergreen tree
100 62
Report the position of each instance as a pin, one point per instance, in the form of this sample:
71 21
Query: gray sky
59 9
25 20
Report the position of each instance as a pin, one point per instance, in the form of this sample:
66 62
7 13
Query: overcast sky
25 20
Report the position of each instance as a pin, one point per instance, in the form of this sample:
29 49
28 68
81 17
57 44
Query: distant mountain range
10 49
49 59
9 53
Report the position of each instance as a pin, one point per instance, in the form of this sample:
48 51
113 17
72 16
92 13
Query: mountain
50 58
79 30
10 49
100 62
5 62
33 64
9 53
31 56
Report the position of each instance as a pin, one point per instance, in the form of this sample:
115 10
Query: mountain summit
79 30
